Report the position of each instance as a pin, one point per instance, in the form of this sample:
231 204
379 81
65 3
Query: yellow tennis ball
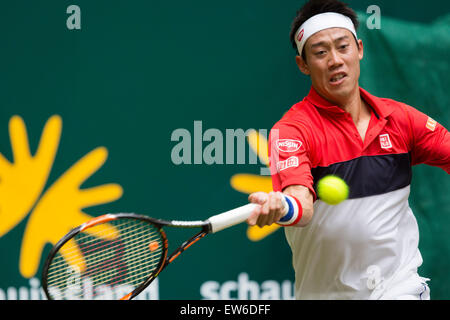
332 190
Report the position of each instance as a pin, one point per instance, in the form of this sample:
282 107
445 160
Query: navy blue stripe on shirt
370 175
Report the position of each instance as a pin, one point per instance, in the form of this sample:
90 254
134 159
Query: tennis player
367 246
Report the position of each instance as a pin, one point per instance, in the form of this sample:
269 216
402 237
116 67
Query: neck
358 109
354 105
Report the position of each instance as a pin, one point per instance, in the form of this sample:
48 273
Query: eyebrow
322 43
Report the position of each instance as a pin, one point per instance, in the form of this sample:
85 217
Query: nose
335 60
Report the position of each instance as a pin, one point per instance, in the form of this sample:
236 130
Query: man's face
332 61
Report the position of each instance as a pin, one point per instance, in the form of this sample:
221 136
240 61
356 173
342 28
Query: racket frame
212 225
158 223
104 219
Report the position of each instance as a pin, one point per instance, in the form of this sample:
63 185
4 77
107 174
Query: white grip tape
230 218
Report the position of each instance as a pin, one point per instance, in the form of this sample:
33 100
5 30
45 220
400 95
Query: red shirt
315 138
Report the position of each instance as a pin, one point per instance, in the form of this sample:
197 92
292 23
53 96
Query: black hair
314 7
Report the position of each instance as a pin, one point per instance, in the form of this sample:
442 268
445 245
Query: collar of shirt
379 106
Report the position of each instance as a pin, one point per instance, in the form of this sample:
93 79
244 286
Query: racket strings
88 254
131 253
132 259
124 231
114 265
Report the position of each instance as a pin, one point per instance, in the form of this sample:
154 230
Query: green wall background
138 70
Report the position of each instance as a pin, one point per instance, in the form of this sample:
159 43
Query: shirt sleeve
289 157
430 140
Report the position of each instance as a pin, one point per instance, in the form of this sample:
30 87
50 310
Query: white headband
321 22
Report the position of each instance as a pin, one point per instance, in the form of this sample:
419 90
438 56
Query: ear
302 65
360 49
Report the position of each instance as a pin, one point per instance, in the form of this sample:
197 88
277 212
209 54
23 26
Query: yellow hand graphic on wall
249 183
60 207
22 181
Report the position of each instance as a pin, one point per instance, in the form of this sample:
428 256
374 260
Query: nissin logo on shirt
288 145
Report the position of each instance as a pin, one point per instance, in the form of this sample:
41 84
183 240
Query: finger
19 139
252 219
87 166
273 201
263 220
255 233
267 210
48 145
265 207
31 249
263 217
275 207
249 183
258 197
100 195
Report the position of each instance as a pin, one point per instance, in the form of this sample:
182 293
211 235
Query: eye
344 46
320 53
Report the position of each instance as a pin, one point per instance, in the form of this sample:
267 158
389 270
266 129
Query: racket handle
233 217
230 218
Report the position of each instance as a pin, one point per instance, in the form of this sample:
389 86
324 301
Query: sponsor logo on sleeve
431 124
385 141
288 163
288 145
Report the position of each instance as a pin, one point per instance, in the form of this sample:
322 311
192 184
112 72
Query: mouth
338 78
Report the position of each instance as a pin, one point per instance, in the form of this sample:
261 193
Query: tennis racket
121 253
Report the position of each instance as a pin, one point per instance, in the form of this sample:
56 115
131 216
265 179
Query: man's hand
272 208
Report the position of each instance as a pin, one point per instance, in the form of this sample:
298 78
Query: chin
342 91
335 94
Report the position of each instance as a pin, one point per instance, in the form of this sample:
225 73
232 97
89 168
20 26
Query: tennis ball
332 190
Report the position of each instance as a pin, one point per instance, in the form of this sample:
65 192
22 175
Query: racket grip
230 218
